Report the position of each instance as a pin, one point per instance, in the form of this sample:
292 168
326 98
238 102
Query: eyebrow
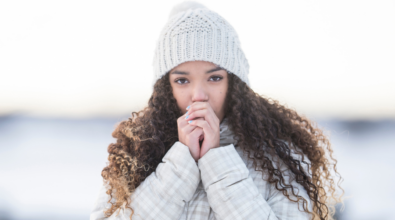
187 73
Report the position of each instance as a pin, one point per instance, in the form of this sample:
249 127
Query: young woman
209 147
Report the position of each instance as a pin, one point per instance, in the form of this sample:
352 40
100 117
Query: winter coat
223 184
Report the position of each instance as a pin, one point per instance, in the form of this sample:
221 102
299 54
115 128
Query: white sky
94 58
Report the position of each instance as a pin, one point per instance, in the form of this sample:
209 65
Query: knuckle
194 133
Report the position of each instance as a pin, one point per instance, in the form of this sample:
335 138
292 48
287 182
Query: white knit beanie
193 32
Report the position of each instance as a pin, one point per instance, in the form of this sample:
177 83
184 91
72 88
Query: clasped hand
199 123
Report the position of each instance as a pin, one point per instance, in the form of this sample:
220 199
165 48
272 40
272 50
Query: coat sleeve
232 193
163 194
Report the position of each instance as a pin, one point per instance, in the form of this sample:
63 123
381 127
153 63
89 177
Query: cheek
181 98
223 96
219 100
222 93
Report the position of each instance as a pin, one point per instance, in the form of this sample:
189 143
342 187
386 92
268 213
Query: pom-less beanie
193 32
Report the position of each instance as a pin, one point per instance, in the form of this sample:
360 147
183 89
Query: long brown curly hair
260 124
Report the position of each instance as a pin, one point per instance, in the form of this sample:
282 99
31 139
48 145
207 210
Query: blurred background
71 70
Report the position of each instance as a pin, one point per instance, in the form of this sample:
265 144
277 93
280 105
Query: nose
199 93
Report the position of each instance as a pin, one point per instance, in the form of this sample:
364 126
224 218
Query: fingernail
187 117
188 107
186 112
189 121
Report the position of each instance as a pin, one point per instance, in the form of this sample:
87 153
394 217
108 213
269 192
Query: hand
209 124
190 135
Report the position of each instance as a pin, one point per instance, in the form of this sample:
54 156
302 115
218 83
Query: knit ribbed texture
193 32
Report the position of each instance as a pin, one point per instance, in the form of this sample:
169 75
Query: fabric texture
223 184
194 32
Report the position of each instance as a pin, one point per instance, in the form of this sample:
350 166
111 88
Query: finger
201 113
181 121
205 114
189 128
202 124
204 105
197 105
196 132
201 136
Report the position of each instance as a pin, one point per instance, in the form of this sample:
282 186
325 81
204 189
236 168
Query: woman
209 147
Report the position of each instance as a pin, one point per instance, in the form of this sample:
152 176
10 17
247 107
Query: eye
217 78
180 79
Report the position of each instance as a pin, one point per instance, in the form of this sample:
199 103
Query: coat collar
226 135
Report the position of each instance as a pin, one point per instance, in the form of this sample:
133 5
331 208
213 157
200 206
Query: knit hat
194 32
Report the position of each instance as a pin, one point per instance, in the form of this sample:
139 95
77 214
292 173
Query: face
200 81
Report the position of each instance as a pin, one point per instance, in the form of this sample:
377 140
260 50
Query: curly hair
261 126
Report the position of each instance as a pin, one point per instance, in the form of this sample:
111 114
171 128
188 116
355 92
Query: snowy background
70 70
50 167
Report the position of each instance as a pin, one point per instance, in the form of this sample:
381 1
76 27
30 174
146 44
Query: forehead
198 64
191 67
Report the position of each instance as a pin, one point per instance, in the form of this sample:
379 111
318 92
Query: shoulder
260 177
295 152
